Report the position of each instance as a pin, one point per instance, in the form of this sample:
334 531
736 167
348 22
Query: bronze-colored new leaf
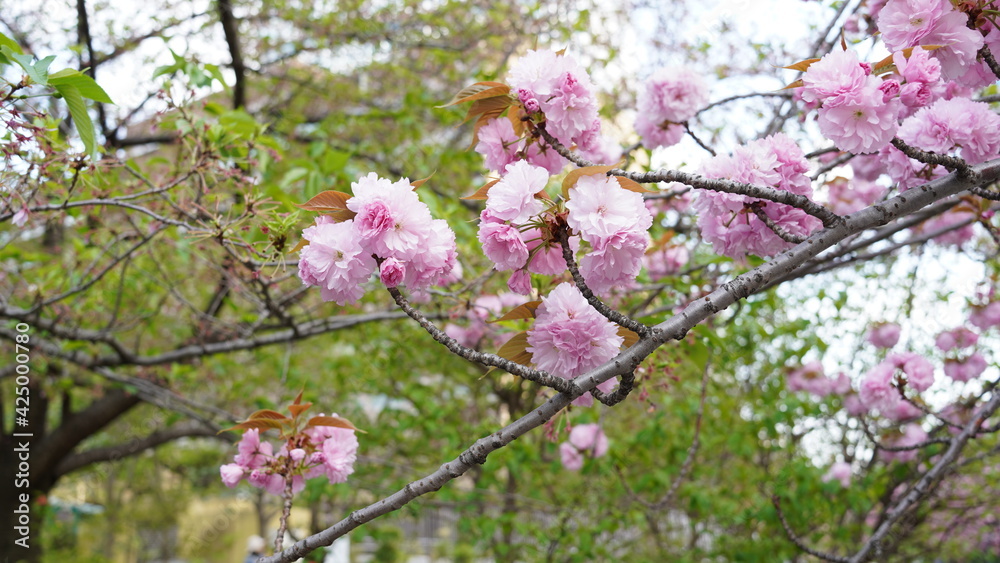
417 183
327 201
259 424
516 349
267 414
296 410
801 66
336 421
482 192
478 91
302 244
632 186
525 311
629 336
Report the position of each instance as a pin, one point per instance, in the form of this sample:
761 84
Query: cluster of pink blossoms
961 365
585 440
508 227
615 223
570 337
392 231
908 23
948 126
856 112
877 390
669 97
501 146
557 87
726 221
316 452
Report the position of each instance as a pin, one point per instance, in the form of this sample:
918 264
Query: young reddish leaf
525 311
335 421
629 336
298 398
570 180
801 66
260 424
417 183
267 414
843 40
495 105
482 192
515 115
516 349
478 91
296 410
632 185
325 202
797 84
302 244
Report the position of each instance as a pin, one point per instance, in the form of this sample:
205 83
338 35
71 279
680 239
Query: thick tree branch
229 27
185 429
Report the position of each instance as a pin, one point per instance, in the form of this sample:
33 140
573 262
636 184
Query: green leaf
10 44
86 85
37 72
78 110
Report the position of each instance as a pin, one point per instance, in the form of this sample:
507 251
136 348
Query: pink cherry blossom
569 336
833 79
673 94
502 244
513 197
498 143
877 390
561 89
918 68
907 23
335 261
965 369
599 207
21 217
589 439
519 282
570 457
614 260
985 317
839 471
436 263
232 473
959 338
863 122
391 272
391 220
657 133
918 369
884 335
